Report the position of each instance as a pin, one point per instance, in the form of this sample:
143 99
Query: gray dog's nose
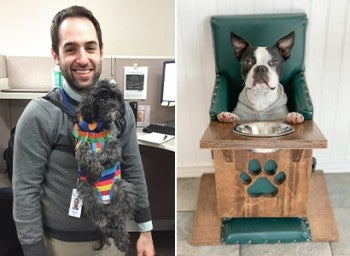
261 69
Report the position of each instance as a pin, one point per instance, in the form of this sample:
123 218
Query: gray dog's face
103 102
262 66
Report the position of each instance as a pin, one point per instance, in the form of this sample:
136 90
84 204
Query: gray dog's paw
295 118
227 117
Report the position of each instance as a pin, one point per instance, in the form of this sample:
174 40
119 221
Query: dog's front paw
227 117
295 118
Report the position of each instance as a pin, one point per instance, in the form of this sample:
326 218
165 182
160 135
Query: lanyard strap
66 102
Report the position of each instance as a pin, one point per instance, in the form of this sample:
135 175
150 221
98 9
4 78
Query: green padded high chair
268 197
259 30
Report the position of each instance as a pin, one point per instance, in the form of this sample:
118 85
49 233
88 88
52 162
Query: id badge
76 204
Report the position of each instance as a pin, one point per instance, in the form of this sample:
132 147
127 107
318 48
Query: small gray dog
108 200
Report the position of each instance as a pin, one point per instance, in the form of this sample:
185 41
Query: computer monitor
168 84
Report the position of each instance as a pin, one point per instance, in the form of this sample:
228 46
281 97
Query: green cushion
259 30
264 230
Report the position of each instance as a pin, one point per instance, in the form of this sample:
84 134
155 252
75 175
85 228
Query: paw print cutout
262 182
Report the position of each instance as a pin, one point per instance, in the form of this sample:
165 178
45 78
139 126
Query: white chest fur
261 97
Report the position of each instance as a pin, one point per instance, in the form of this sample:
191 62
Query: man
76 204
45 171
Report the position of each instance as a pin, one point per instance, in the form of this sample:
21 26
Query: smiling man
79 52
45 171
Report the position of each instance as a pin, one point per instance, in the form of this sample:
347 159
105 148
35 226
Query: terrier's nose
261 69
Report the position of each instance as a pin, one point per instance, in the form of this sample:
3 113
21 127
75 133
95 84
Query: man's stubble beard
74 84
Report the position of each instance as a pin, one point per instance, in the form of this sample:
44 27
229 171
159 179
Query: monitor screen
168 84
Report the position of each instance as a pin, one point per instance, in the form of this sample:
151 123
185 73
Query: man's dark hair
73 11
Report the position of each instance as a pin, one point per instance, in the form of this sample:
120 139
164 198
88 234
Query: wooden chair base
207 224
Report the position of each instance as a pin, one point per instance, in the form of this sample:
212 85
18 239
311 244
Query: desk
169 145
159 165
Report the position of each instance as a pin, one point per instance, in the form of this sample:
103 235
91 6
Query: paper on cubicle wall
143 115
135 83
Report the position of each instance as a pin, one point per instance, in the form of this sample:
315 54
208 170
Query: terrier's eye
273 62
248 62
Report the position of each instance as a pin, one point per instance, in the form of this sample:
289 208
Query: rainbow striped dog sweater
97 140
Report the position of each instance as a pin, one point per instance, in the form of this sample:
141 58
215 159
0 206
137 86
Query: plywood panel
290 195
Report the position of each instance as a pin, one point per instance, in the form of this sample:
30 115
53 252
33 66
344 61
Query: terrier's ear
239 45
285 45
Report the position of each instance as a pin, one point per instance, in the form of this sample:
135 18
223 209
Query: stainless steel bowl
263 129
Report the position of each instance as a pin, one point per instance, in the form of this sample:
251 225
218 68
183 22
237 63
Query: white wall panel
340 134
129 28
327 64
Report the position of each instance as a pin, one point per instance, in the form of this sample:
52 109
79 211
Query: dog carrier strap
60 105
59 147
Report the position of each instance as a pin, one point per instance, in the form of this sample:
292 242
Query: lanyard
66 102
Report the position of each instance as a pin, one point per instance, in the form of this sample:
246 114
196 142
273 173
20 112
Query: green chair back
258 30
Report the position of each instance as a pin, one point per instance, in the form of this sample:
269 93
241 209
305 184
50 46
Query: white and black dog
262 97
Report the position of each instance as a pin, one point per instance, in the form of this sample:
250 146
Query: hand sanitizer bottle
56 77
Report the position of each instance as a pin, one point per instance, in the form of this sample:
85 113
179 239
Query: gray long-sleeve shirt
277 111
45 175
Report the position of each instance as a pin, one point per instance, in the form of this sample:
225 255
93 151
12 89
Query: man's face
79 54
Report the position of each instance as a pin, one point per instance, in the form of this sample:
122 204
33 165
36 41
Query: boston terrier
263 97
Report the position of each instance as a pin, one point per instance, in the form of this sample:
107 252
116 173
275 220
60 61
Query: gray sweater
44 175
277 111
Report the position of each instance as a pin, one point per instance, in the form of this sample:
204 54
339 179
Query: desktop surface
167 145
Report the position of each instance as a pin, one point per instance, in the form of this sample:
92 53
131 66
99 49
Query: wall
327 63
129 27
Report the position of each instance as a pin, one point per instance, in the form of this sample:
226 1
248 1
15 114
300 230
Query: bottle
56 77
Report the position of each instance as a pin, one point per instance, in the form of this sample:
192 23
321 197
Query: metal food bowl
263 129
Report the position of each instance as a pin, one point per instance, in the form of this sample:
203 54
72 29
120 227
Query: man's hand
144 245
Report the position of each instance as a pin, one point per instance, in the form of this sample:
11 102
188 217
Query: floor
339 191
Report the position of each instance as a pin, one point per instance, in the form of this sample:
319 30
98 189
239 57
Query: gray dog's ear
285 45
239 45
